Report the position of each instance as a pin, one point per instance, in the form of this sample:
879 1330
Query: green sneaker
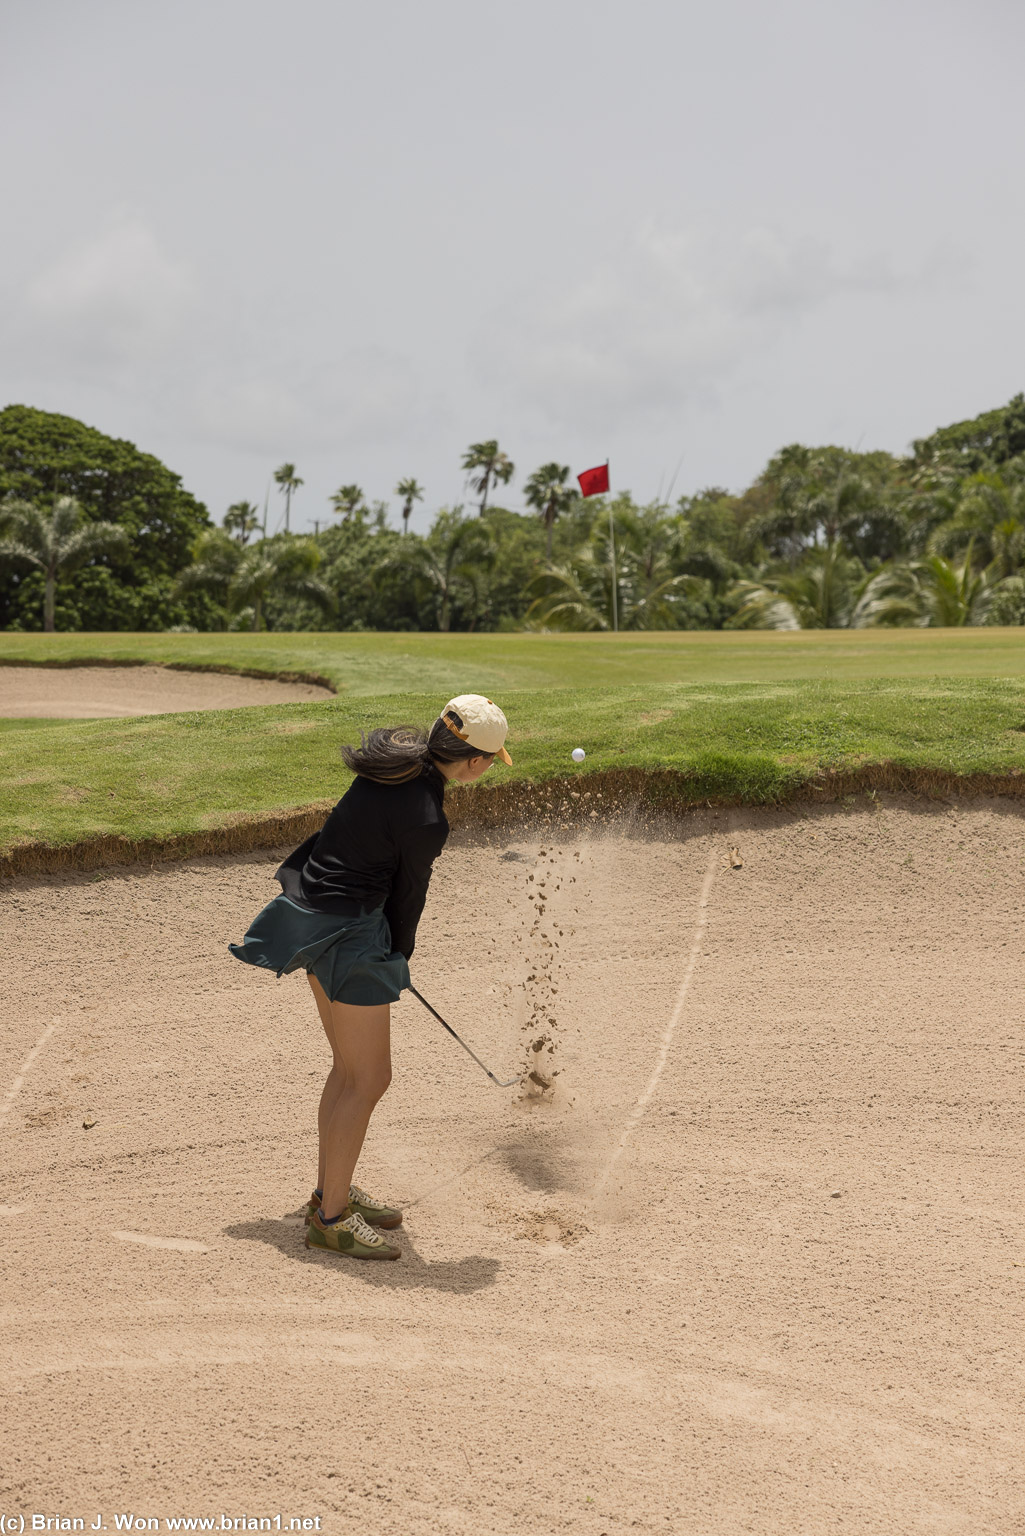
351 1236
372 1211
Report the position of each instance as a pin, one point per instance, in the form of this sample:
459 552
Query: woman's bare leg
361 1045
335 1078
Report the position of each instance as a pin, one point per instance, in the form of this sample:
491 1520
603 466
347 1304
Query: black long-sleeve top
378 845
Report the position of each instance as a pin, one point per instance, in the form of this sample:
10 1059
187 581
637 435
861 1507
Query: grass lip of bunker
81 793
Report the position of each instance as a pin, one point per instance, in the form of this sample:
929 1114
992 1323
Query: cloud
367 395
116 317
117 296
664 321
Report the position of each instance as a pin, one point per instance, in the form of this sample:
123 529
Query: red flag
594 481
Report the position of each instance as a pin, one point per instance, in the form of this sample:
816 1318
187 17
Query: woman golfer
351 900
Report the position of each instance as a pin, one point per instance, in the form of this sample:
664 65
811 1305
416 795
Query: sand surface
758 1266
83 693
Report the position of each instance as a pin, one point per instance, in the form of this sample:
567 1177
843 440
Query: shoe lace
355 1193
361 1230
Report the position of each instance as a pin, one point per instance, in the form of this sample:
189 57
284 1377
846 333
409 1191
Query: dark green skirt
351 957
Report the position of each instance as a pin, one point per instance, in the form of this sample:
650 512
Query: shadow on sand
410 1273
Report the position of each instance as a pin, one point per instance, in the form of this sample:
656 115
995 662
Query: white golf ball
578 754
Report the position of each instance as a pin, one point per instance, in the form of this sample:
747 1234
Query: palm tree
492 466
288 483
651 585
927 506
823 593
288 567
410 491
1008 605
241 519
348 502
1007 542
548 493
575 595
242 577
819 502
215 560
456 555
55 542
928 593
990 516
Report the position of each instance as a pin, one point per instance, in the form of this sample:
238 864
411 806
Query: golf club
497 1081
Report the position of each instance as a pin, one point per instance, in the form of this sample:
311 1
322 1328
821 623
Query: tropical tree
653 592
288 567
348 502
1007 542
927 503
550 496
824 495
242 578
822 593
986 442
215 559
649 547
713 523
288 484
574 595
932 592
410 491
487 465
990 517
241 519
453 560
1008 605
44 456
55 542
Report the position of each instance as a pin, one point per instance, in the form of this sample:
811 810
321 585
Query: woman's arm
288 874
418 849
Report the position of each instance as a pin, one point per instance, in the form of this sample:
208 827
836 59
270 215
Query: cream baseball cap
476 720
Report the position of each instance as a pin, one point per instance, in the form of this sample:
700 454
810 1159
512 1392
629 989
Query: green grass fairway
172 775
495 664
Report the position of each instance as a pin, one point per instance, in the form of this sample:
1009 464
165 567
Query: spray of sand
547 889
546 928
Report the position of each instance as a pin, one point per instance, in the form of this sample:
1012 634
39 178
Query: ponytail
394 754
389 755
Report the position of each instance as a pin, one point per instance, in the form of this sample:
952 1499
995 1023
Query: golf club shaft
497 1081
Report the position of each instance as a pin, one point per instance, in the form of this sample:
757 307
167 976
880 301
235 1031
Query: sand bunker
83 693
796 1307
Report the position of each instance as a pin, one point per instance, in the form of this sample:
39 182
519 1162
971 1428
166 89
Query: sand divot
178 1244
644 1100
26 1067
552 1228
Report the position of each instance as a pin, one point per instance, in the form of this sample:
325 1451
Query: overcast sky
359 237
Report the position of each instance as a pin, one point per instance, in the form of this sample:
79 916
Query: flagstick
615 579
615 582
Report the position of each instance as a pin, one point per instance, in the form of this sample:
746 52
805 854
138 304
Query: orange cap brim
503 754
